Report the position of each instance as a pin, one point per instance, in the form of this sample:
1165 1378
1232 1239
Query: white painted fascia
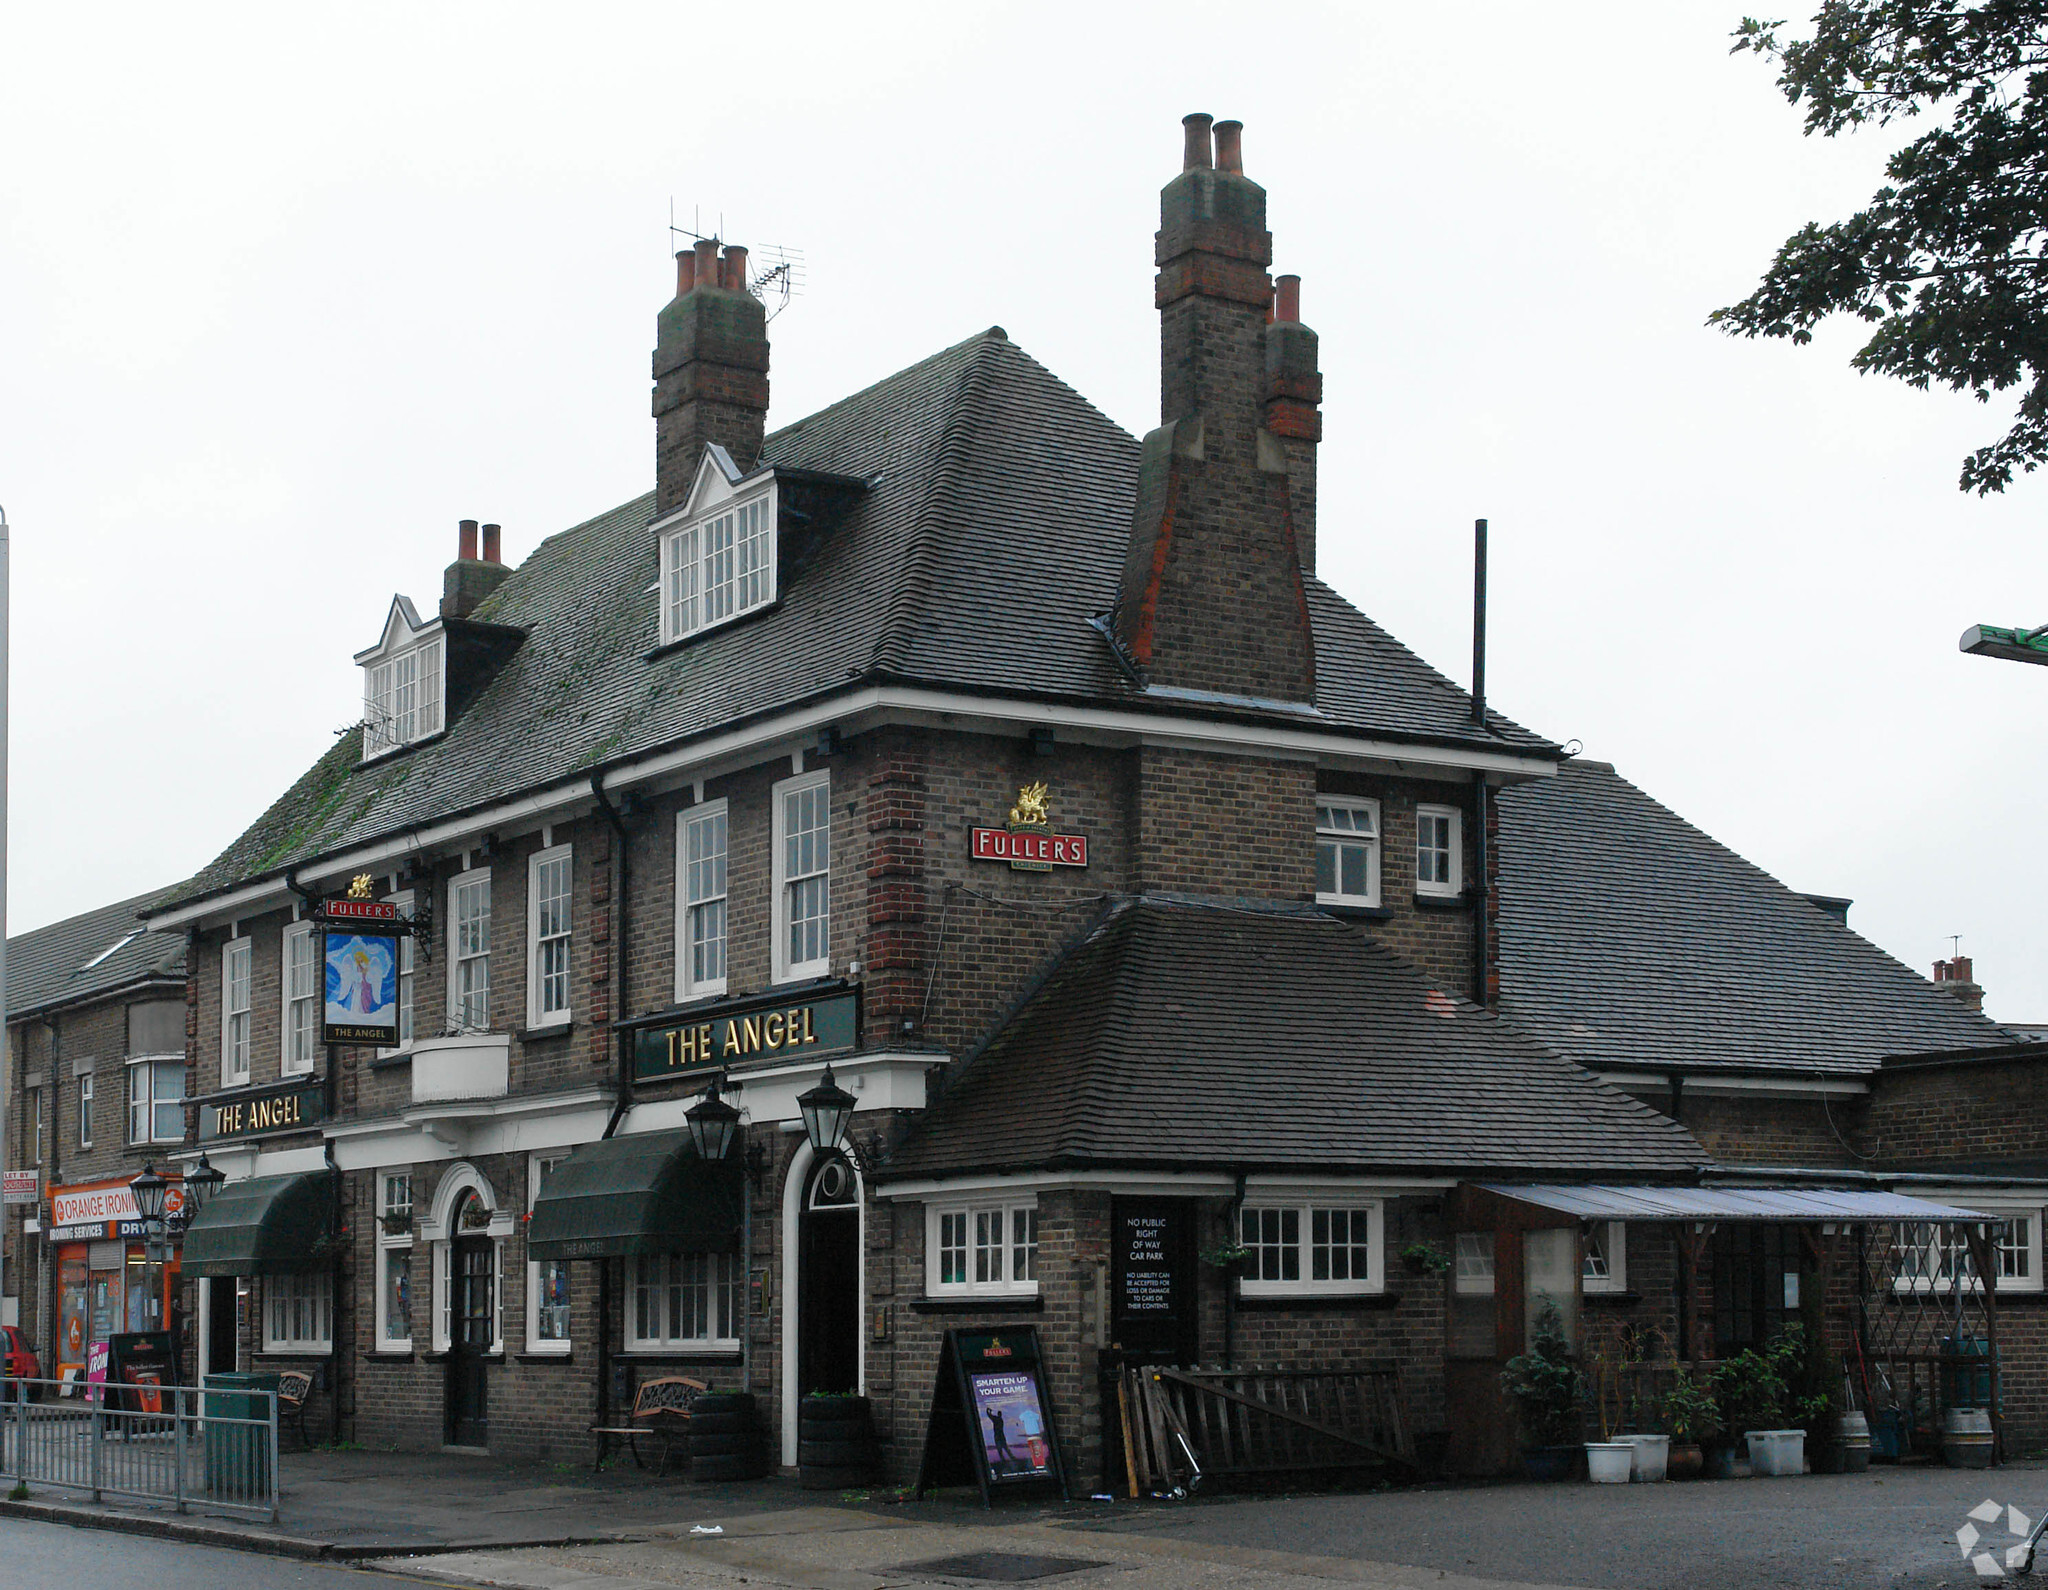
1138 1184
877 1081
1730 1087
457 1131
853 710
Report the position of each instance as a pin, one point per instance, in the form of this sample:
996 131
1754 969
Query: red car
20 1362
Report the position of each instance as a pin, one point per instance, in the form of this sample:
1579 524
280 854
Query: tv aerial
775 271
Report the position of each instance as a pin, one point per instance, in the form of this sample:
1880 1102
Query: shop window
982 1250
1438 861
547 1280
235 958
700 917
687 1300
548 876
301 999
1347 851
85 1109
156 1101
1603 1263
1312 1248
803 877
719 566
469 945
1472 1267
394 1262
298 1313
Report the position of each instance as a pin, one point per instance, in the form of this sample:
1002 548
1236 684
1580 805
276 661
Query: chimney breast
470 579
710 371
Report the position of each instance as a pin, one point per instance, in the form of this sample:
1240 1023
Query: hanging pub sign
359 958
750 1029
991 1418
291 1110
1027 841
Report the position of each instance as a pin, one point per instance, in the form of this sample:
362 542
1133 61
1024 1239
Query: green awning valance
263 1226
648 1193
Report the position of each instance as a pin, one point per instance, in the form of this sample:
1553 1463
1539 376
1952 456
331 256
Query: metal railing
214 1448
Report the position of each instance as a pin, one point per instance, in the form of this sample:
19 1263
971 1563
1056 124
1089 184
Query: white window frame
537 1167
1939 1269
146 1066
787 968
719 565
688 901
1611 1238
459 885
84 1080
1004 1230
308 1290
388 1244
235 1048
1372 843
408 981
1472 1261
1305 1207
405 690
1454 823
314 999
733 1280
536 1017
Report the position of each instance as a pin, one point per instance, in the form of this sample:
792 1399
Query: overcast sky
287 291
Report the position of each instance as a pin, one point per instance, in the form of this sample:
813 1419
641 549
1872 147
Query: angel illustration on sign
362 981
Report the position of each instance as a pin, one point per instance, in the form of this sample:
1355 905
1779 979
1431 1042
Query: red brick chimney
1958 977
1212 595
1294 395
710 370
469 579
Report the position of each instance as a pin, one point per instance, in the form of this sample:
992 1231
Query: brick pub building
1148 898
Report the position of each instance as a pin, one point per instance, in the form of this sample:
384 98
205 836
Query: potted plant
1609 1460
1751 1388
1229 1257
1813 1394
1548 1390
1425 1258
1692 1415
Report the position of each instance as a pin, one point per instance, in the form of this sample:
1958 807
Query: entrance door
1153 1317
1756 1283
220 1326
473 1317
828 1281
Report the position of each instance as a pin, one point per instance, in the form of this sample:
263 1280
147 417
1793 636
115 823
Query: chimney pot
707 262
465 540
491 544
736 269
686 272
1197 156
1230 147
1287 298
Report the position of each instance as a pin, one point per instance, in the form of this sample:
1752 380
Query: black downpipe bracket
621 876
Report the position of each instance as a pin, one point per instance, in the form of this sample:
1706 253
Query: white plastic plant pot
1776 1452
1608 1462
1651 1456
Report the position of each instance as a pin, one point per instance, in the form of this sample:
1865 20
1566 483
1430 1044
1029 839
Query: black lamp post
827 1108
712 1123
150 1190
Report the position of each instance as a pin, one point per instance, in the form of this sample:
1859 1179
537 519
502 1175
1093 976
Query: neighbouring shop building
1148 899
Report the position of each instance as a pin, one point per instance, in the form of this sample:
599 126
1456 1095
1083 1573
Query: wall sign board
1027 841
360 1004
291 1111
991 1418
754 1029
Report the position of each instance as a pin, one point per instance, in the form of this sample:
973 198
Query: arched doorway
472 1321
828 1279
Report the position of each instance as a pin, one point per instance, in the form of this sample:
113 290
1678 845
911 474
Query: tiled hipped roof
1631 940
1228 1036
992 529
49 966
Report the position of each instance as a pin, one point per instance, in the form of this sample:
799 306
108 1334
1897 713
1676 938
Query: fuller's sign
1027 842
727 1035
295 1111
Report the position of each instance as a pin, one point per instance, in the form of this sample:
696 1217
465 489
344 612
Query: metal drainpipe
1482 898
621 876
1236 1235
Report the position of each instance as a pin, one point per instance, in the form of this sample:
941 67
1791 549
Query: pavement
447 1519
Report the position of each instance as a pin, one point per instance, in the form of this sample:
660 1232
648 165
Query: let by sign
728 1035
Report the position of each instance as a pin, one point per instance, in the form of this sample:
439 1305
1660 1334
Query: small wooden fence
1181 1426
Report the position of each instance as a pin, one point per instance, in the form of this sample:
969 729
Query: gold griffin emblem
1029 812
359 886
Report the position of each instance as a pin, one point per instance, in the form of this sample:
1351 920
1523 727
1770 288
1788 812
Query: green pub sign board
794 1029
294 1111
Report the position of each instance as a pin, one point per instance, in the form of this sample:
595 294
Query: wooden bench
661 1408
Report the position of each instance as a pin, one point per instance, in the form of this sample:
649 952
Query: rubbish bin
238 1455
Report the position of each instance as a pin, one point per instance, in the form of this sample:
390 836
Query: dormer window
718 553
404 682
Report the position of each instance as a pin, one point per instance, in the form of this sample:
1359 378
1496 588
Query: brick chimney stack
1212 596
710 370
1958 977
470 578
1294 395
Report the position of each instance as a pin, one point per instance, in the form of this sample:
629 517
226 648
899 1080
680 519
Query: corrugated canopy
264 1226
1732 1203
648 1193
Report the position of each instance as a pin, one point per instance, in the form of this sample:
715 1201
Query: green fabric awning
264 1226
648 1193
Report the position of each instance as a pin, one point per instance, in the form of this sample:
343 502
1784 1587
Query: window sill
532 1357
669 648
681 1357
977 1305
1347 912
389 752
445 1354
394 1355
1443 902
552 1029
308 1351
1267 1302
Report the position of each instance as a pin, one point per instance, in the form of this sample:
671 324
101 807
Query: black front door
220 1325
1152 1281
828 1281
1757 1281
473 1317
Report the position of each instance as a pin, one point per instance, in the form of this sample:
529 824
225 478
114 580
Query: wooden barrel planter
835 1444
726 1438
